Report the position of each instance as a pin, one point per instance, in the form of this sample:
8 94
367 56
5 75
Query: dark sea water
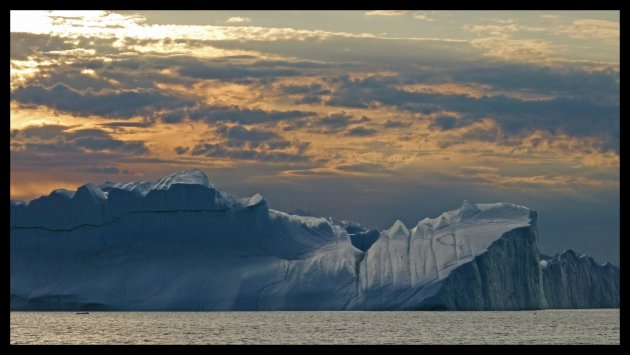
524 327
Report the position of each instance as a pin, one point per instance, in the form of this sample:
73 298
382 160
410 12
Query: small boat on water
82 313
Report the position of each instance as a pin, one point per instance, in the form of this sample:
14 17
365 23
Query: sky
369 116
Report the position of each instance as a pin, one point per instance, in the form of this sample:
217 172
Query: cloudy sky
361 115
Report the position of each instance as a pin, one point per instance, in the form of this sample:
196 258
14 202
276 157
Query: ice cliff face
570 271
183 244
478 257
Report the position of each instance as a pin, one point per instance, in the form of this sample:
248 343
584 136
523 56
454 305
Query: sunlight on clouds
217 92
385 13
238 19
71 22
498 39
28 187
541 182
88 72
183 48
515 49
423 16
363 118
21 117
355 75
103 23
109 24
593 29
31 21
22 70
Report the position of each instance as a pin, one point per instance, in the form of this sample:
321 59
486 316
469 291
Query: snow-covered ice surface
181 243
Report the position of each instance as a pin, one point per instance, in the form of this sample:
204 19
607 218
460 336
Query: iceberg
569 271
181 243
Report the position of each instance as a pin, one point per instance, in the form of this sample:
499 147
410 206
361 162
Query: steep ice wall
503 278
572 280
480 256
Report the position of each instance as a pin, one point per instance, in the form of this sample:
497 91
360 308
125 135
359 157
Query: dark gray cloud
125 87
175 116
281 144
309 94
304 89
365 168
565 82
24 45
444 123
44 131
361 132
201 70
242 143
125 124
395 124
573 114
181 150
218 151
238 136
583 103
310 99
245 69
336 121
147 102
59 139
87 133
241 115
101 170
111 104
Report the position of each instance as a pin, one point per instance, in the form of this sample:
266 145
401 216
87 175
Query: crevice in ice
455 246
419 288
262 289
389 258
350 299
409 257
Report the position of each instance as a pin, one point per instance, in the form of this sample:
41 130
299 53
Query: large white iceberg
181 243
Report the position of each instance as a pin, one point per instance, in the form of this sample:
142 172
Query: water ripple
524 327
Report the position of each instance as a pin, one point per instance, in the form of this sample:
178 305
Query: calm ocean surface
525 327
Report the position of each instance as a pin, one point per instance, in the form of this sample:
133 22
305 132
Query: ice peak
253 201
64 193
189 176
468 209
90 191
398 229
